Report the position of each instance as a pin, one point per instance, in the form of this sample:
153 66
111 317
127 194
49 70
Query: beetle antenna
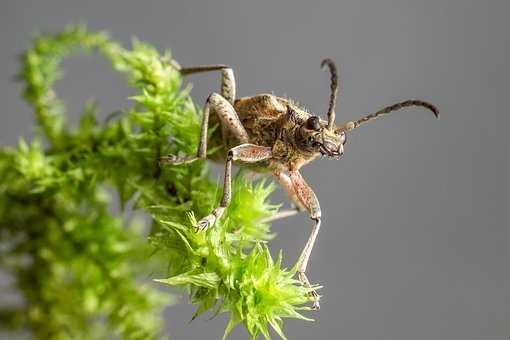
388 109
334 88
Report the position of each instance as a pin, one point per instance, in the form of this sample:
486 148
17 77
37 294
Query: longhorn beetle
273 134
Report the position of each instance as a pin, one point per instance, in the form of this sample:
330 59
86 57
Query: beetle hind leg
228 84
221 104
229 119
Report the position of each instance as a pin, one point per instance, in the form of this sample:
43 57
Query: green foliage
79 268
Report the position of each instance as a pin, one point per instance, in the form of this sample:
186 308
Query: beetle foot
314 296
174 160
210 219
316 300
205 222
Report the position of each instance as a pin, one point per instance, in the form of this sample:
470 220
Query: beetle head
313 136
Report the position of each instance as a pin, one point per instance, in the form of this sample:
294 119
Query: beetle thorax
288 150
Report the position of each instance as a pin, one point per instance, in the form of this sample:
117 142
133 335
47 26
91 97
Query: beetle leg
296 205
308 199
229 119
228 83
221 104
280 214
249 153
286 184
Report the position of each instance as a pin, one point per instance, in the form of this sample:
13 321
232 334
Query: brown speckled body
266 119
267 133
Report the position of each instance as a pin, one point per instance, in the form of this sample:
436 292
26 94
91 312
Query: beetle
273 134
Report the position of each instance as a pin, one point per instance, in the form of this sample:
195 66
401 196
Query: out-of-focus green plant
81 270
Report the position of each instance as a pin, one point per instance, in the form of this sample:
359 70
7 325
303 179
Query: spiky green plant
77 266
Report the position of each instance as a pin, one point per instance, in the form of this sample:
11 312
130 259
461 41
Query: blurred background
415 237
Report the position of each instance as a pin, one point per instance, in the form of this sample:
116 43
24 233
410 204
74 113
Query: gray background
415 243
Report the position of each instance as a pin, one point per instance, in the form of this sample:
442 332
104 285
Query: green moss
78 266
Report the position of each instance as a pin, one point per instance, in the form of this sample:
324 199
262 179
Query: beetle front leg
310 202
287 185
296 204
249 153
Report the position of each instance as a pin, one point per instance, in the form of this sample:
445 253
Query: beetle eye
313 123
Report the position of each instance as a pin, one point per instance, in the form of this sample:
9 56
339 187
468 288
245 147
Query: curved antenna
352 125
334 88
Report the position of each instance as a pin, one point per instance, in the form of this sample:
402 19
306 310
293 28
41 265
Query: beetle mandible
273 134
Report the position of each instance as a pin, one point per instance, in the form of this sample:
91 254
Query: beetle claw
174 160
206 222
316 300
203 225
314 296
210 219
168 159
